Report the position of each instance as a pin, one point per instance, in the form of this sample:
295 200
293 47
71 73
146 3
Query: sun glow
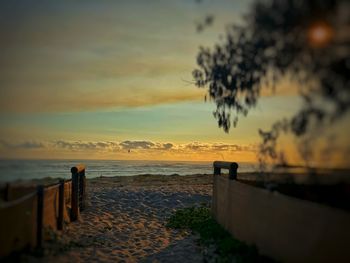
320 34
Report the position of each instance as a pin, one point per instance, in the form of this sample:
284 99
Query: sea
12 170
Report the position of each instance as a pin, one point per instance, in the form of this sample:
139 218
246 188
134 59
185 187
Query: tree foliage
306 40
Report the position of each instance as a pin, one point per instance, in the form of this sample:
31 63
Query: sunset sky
111 80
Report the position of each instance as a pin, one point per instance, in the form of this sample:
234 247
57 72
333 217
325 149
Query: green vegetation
212 235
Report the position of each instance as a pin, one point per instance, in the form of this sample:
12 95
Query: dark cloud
221 147
31 145
22 145
132 145
145 145
79 145
197 146
233 147
167 146
103 144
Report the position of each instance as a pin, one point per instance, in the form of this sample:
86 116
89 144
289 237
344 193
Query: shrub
199 220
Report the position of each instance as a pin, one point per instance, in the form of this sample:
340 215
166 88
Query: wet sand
125 221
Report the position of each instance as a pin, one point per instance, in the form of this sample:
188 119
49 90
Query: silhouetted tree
307 40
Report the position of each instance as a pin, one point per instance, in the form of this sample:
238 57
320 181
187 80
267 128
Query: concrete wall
283 227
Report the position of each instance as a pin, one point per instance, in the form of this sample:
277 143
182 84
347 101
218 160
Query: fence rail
28 211
231 166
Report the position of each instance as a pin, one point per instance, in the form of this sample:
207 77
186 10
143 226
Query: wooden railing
231 166
27 212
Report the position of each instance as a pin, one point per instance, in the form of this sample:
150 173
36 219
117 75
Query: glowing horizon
100 72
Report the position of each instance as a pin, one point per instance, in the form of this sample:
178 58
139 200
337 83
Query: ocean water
11 170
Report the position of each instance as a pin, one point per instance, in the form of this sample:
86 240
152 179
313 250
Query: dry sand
125 221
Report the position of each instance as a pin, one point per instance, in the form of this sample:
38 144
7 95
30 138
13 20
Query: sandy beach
125 221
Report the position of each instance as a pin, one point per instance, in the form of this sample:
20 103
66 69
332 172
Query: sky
112 80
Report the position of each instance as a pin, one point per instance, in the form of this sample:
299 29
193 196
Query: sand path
125 221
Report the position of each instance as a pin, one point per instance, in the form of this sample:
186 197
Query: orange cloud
128 149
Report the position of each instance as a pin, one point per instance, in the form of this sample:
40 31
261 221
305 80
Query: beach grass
213 236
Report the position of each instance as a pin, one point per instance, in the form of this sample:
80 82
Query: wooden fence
286 228
30 210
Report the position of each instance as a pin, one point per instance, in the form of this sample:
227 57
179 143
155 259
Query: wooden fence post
75 195
7 192
233 171
217 171
82 190
40 216
78 190
60 205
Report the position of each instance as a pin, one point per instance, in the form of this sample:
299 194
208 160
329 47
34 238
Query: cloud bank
136 146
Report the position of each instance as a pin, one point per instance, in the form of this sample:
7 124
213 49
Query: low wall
67 201
14 192
283 227
18 224
28 211
50 207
